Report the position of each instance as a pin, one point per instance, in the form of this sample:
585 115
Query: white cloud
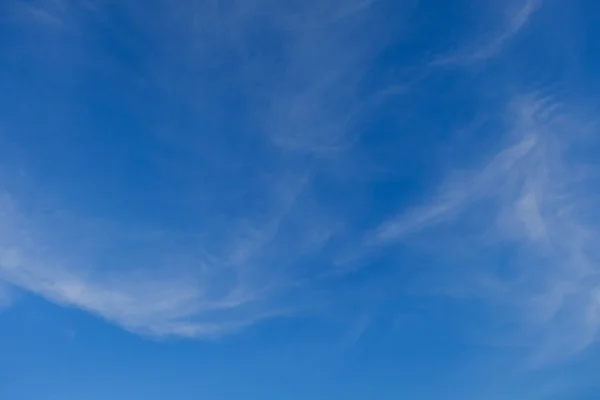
493 45
457 193
50 13
246 262
534 200
315 105
528 213
207 294
241 269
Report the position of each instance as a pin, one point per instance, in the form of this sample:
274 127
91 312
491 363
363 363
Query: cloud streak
259 221
492 47
169 289
262 239
531 203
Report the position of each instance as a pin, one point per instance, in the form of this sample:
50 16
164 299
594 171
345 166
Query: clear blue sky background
333 199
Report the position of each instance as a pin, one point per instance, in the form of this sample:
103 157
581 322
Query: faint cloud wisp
493 46
536 198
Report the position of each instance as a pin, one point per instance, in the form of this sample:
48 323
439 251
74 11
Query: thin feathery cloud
258 221
533 199
315 105
48 13
300 64
492 47
455 195
194 294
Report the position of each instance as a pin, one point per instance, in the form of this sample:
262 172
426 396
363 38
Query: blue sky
334 199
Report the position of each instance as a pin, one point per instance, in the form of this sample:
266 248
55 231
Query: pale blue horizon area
335 199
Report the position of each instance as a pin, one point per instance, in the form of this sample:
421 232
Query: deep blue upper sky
333 199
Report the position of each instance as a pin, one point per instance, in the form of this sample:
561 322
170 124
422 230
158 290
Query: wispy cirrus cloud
492 43
165 283
52 14
531 206
258 220
290 79
315 104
